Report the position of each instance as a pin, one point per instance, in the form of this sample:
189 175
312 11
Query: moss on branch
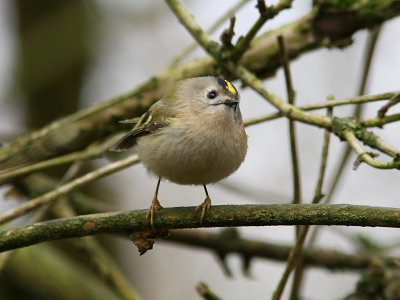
127 222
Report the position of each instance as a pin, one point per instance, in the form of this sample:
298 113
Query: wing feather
144 125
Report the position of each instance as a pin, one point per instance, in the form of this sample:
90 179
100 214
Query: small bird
194 135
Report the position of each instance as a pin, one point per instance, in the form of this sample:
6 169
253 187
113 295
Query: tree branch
339 102
186 217
91 152
266 13
67 188
313 257
368 158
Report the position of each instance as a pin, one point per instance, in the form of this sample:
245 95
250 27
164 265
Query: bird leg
205 206
154 207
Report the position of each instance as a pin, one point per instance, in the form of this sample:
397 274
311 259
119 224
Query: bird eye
212 95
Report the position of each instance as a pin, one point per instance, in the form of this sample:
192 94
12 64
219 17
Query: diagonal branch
67 188
339 102
266 13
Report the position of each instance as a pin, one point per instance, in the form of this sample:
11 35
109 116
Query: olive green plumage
194 135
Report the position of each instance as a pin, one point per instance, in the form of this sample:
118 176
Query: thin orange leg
154 207
205 206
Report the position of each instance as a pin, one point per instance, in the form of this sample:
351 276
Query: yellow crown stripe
230 87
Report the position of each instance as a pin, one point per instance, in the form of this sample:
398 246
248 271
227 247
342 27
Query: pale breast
184 156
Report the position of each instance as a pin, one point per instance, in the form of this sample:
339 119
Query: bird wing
145 125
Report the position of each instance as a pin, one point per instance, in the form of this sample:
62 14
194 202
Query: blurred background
57 57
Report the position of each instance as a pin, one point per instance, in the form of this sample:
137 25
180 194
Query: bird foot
204 207
154 207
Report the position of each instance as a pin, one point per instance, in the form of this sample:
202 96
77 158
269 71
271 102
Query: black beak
230 102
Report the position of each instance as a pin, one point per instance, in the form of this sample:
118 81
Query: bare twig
227 34
393 101
370 50
291 98
312 257
228 14
367 157
98 257
205 292
380 121
371 43
93 151
295 164
324 158
343 162
266 13
194 29
298 276
67 188
333 103
291 262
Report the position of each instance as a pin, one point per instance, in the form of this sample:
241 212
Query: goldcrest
194 135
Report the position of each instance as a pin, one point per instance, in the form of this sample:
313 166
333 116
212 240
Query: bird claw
205 206
155 206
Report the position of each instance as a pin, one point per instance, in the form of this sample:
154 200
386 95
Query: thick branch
186 217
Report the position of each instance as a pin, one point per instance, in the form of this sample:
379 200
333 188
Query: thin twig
205 292
67 188
194 29
343 161
291 98
380 121
372 140
265 14
93 151
71 172
227 34
318 195
286 109
228 14
98 257
393 101
331 259
333 103
371 45
291 262
324 158
293 150
367 157
106 267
